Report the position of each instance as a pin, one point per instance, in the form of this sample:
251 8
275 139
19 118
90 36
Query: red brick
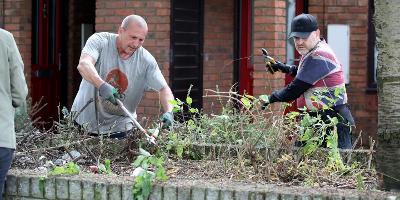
163 12
122 12
136 4
114 4
362 2
346 2
362 10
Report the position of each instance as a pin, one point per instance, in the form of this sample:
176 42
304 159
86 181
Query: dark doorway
187 48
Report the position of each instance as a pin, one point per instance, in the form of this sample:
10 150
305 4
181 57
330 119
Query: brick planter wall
33 187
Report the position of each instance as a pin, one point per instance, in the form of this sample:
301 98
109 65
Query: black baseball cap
303 25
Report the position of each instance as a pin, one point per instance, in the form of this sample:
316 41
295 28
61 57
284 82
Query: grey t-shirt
132 77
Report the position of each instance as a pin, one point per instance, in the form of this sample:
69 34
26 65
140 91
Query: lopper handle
126 111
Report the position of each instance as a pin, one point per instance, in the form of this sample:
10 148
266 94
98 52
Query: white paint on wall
339 40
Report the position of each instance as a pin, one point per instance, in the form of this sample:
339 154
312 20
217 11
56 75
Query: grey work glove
167 119
109 92
265 100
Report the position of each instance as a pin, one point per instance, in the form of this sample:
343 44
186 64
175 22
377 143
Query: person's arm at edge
19 88
165 96
88 71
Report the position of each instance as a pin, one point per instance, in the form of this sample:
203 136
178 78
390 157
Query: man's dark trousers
6 156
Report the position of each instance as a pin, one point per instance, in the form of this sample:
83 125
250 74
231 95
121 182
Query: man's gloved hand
167 119
278 66
265 101
109 92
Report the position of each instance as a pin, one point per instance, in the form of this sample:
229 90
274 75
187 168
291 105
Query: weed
69 169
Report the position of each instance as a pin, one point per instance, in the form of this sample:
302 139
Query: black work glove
109 92
278 66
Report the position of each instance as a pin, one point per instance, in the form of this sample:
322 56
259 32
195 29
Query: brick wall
17 20
269 31
109 15
364 105
218 49
105 187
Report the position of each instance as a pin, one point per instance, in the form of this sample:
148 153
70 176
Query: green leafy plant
360 181
144 180
69 169
105 168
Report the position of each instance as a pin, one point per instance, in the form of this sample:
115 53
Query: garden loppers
268 60
150 138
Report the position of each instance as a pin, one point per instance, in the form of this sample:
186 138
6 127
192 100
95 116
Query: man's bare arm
88 71
165 96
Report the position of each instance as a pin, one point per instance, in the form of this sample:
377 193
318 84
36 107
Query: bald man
116 66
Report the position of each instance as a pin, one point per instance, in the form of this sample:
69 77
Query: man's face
304 45
132 38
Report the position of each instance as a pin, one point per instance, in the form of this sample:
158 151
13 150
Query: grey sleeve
93 46
154 78
19 89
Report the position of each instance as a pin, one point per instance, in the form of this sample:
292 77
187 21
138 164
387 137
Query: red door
45 77
245 67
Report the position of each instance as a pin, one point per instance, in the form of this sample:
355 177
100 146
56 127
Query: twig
56 147
229 97
372 142
90 152
354 146
83 108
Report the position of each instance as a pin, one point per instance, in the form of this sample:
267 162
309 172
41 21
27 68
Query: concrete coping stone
30 184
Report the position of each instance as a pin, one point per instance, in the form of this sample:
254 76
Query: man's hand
265 101
109 92
167 119
278 66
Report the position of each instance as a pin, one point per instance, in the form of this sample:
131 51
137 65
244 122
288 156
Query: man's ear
318 33
120 30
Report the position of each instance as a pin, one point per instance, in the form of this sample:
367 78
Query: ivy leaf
189 100
307 135
292 115
337 92
161 174
246 102
179 150
138 160
176 109
310 147
173 102
193 110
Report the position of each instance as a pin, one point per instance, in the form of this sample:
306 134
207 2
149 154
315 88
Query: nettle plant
240 122
151 169
243 126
